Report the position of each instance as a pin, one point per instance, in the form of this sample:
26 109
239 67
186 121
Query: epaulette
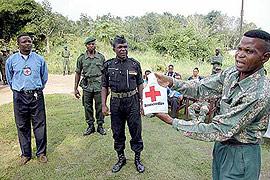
109 61
134 60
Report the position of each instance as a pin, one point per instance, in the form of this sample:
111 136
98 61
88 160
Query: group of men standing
237 130
122 77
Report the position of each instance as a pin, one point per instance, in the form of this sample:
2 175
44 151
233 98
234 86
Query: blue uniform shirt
26 74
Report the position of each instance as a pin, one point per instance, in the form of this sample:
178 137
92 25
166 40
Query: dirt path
56 84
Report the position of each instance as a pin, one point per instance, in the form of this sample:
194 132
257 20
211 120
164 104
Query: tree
14 15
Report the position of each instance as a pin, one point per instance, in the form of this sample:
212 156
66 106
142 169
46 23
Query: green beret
89 39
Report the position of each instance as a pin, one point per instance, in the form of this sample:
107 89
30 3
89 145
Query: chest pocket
86 66
99 68
132 74
113 74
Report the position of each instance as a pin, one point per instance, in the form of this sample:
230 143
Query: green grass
167 154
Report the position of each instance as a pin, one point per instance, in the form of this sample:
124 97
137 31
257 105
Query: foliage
14 15
183 38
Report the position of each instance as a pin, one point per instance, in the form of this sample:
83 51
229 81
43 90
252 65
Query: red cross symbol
152 93
27 71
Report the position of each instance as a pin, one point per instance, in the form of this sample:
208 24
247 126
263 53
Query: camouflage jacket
91 71
217 60
65 54
244 107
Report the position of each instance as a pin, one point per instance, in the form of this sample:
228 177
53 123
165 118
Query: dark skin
250 56
121 51
25 45
91 50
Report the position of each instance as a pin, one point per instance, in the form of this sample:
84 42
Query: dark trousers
30 109
88 98
126 110
239 162
175 104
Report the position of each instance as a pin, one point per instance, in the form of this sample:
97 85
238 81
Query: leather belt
29 91
233 142
123 94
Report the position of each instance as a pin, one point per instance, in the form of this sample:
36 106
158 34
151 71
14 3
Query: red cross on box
153 94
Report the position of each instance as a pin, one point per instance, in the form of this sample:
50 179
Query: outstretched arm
165 117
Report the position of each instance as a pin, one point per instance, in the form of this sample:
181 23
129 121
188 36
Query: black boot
89 130
64 73
101 130
120 163
138 164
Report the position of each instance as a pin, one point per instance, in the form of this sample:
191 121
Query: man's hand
164 81
77 93
164 117
141 107
105 110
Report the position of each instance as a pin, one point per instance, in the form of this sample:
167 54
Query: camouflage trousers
66 66
88 102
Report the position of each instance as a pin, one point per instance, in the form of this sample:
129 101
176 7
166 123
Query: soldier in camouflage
216 61
66 56
244 113
89 66
3 58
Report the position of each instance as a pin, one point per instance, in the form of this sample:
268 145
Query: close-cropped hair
257 33
196 69
21 35
260 34
118 40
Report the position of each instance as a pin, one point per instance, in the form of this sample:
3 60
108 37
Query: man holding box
244 109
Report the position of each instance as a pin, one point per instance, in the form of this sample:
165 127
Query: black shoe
101 130
138 164
89 130
121 162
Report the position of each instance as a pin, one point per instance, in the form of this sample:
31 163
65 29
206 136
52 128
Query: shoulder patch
134 61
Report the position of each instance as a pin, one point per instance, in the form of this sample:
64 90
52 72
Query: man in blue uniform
123 75
27 75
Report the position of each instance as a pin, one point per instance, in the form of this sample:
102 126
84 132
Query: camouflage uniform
90 69
216 61
3 60
198 111
66 55
240 126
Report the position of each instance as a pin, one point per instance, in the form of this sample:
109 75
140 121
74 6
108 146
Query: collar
251 80
117 60
23 56
86 55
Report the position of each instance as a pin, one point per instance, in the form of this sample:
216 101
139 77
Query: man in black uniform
123 75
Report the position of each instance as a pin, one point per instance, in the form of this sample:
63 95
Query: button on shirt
244 107
91 70
122 75
26 73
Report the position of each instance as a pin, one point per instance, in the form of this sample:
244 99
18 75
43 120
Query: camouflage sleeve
226 125
79 65
210 87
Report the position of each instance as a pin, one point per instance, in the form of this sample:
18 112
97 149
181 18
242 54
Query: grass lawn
167 154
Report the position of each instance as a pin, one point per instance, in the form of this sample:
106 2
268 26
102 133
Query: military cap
89 39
